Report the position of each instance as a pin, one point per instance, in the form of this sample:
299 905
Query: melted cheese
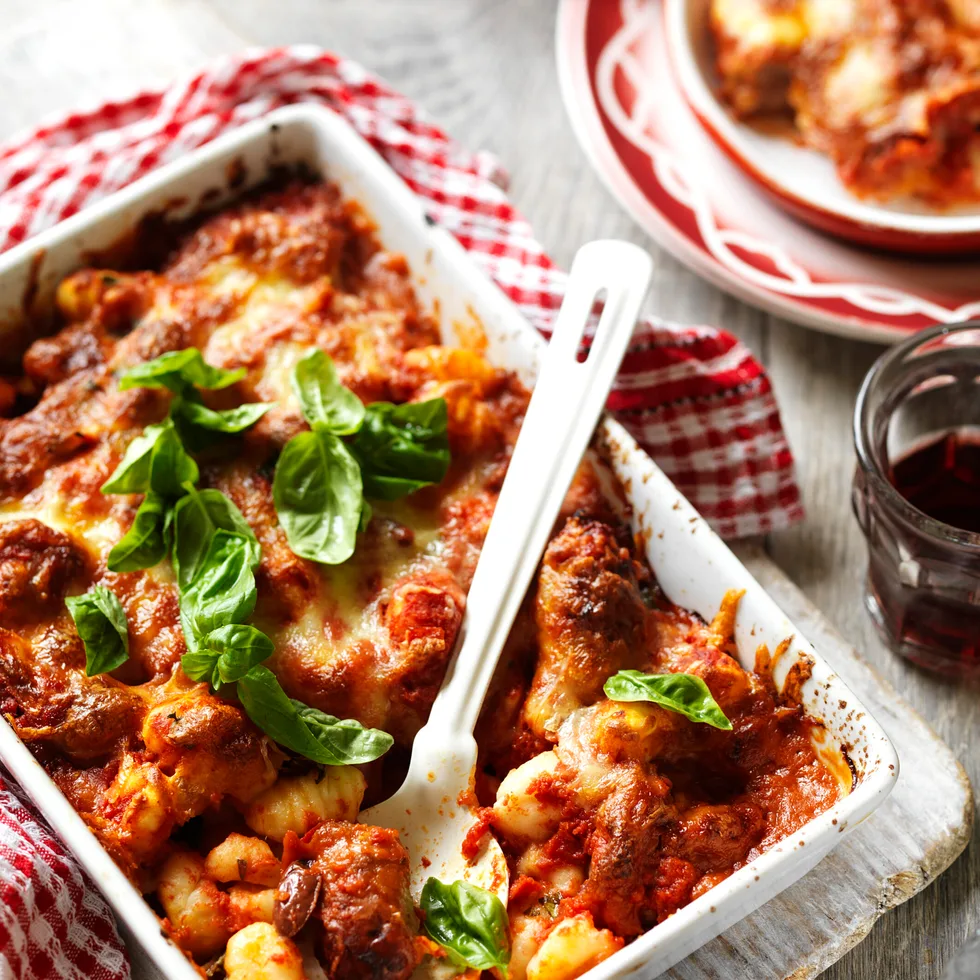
342 617
99 534
752 25
274 383
264 305
860 86
828 18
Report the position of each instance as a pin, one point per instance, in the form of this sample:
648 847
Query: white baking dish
692 564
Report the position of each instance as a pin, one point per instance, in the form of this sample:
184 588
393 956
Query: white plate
800 178
693 565
626 106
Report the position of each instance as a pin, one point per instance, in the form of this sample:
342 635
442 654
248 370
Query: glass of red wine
917 496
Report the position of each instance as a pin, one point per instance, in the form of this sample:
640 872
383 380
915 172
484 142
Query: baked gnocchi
242 497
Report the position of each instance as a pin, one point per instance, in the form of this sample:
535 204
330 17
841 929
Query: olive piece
296 898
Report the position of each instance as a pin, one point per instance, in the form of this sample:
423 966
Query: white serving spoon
566 403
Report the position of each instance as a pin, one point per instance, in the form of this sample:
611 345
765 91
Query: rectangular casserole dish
693 566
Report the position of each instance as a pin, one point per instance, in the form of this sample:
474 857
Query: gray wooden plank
58 55
817 379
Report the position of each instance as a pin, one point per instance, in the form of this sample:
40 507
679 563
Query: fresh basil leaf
401 448
170 465
317 493
266 703
241 648
101 623
304 730
367 512
227 654
229 420
346 739
147 541
324 401
154 460
391 487
468 921
178 370
684 693
201 665
132 475
222 591
196 518
168 522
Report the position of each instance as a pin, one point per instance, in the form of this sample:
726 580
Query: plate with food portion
859 117
261 416
715 123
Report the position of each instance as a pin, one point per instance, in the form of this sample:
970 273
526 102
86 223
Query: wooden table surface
485 70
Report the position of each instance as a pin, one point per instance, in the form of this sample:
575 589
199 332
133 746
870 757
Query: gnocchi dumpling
258 952
299 803
564 879
520 812
250 903
193 904
574 946
241 858
527 933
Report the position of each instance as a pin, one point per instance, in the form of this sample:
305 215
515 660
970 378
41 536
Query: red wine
942 478
924 601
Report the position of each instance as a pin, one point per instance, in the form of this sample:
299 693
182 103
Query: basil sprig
222 592
227 654
468 921
325 403
148 539
684 693
215 554
158 461
155 460
318 495
200 426
321 482
402 448
197 516
101 623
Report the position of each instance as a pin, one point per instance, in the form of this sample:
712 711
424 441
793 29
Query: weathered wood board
911 839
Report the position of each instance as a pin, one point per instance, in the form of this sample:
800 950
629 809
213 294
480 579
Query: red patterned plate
649 148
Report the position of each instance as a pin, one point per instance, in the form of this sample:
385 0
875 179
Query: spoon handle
568 398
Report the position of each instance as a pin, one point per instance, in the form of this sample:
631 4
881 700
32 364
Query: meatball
423 618
211 747
365 907
625 852
37 564
719 837
51 701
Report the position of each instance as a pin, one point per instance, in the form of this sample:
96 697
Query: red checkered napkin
693 396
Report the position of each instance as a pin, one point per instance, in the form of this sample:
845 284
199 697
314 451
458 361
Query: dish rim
700 920
852 218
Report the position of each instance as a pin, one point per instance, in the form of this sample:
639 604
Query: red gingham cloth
693 396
